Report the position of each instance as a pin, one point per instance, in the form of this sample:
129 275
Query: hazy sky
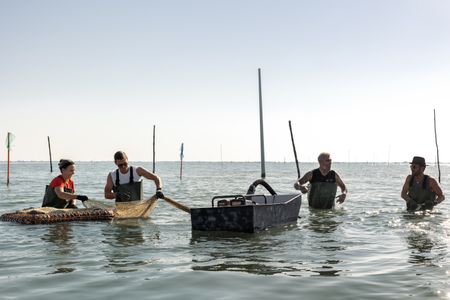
359 79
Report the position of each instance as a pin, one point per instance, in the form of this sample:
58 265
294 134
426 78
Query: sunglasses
122 165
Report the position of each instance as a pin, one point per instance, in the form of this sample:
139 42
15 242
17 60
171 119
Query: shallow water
367 248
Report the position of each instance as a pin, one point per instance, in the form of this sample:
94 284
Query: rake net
126 210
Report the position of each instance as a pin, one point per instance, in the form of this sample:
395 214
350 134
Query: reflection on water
259 253
265 253
324 220
368 249
125 238
425 248
324 223
61 235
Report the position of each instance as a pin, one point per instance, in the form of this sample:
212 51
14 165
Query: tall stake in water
8 146
181 160
261 129
50 154
295 151
153 170
437 147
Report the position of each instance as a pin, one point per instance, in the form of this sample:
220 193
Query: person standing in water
60 193
421 191
323 184
125 183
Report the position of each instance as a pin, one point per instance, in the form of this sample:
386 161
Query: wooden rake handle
177 205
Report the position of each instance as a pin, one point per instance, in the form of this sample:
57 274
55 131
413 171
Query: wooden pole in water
437 147
181 160
261 130
295 151
153 169
50 153
8 146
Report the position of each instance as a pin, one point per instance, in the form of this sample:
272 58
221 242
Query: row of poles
9 139
263 171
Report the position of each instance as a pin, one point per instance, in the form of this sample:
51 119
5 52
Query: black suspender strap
424 182
131 175
117 177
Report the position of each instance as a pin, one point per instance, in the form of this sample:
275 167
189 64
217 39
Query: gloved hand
159 194
412 205
123 196
71 205
82 197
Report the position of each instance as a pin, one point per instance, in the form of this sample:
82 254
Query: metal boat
247 213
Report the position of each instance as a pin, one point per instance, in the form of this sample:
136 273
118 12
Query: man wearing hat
421 191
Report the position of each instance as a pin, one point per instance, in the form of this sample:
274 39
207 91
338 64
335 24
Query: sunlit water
368 248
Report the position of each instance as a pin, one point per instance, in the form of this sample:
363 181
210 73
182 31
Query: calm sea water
367 248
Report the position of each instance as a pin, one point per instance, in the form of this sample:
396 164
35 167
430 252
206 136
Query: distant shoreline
194 161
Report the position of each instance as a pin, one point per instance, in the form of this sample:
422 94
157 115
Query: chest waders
134 189
52 200
322 190
321 195
421 194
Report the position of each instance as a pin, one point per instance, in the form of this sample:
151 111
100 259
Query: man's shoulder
431 178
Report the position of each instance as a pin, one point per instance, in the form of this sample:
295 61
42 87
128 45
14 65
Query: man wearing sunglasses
323 184
421 191
125 183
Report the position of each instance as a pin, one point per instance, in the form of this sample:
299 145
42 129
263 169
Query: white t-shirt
125 178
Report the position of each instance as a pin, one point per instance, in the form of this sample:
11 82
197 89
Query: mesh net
125 210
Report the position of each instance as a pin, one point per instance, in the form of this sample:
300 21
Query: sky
358 79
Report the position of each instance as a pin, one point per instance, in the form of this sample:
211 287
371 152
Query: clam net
126 210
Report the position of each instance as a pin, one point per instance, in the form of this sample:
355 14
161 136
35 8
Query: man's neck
324 170
126 171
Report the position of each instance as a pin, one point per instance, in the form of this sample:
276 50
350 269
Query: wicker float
47 215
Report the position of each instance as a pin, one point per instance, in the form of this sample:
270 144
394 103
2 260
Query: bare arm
59 190
300 182
109 194
405 189
149 175
435 188
341 185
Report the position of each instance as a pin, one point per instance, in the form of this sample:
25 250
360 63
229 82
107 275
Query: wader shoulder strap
117 177
131 175
424 182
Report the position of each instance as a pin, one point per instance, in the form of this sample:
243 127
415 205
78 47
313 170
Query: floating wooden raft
47 215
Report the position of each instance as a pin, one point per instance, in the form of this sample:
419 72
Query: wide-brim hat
418 160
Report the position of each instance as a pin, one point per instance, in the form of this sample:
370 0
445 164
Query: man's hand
300 187
159 194
82 198
123 196
341 198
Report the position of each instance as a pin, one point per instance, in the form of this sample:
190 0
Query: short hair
119 155
64 163
323 155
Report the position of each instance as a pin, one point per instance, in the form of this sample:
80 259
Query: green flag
9 139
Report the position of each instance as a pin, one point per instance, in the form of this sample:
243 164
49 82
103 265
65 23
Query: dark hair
119 155
64 163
